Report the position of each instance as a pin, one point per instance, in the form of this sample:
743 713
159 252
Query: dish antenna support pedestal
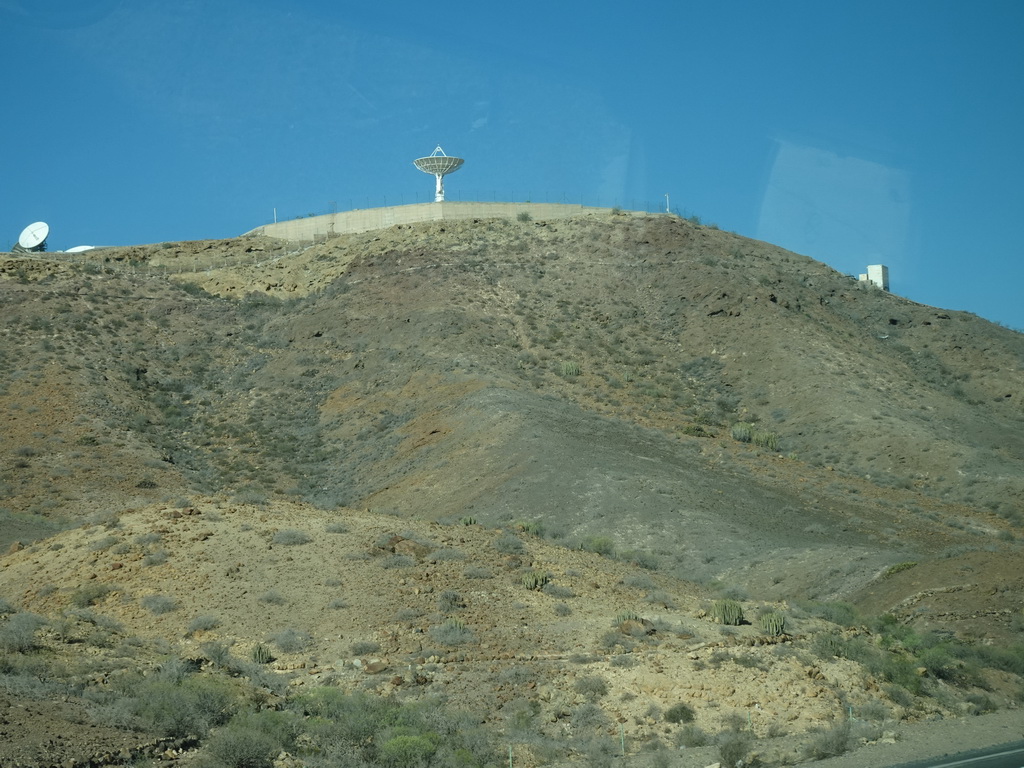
439 165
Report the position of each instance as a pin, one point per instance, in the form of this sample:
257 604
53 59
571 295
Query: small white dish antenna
439 165
33 237
80 248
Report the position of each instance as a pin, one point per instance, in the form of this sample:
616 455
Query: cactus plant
570 369
727 612
772 623
261 654
626 616
765 439
535 580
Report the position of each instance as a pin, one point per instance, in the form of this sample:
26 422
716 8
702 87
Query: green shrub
18 633
742 432
509 544
640 581
355 719
89 594
662 598
272 598
405 746
159 604
830 743
691 736
336 528
524 216
897 670
203 623
241 747
592 686
261 654
155 558
290 537
587 717
451 632
602 545
644 560
105 543
875 711
397 561
557 590
531 528
1007 658
188 708
733 748
570 369
899 694
284 726
218 653
728 612
679 713
363 648
291 640
96 619
828 644
939 663
836 612
449 601
980 703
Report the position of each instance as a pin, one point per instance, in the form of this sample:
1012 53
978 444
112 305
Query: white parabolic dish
439 165
34 235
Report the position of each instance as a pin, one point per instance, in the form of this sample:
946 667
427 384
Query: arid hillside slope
652 414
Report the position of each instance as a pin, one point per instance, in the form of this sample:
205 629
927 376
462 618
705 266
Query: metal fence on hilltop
361 202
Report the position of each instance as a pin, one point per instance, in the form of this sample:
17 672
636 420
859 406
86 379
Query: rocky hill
523 465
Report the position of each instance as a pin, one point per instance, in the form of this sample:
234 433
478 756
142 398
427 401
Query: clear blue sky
853 132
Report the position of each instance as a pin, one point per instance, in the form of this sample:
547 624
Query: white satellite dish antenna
439 165
33 238
80 248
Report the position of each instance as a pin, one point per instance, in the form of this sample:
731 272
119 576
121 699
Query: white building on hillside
877 275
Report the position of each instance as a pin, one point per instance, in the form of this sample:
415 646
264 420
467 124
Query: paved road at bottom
1003 756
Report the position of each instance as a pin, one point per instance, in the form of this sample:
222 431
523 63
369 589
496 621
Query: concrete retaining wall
365 220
